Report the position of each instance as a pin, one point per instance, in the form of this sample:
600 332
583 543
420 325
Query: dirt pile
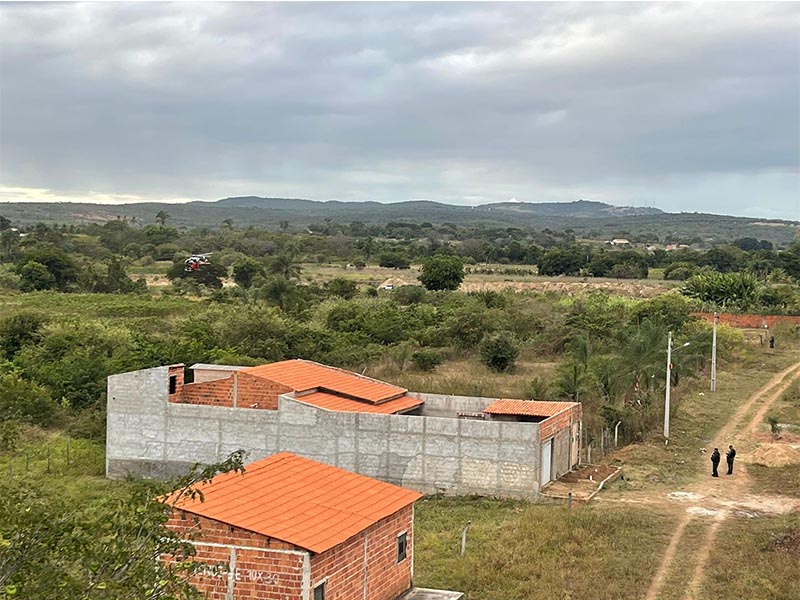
774 455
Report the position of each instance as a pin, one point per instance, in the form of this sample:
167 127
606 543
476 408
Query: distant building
619 242
291 528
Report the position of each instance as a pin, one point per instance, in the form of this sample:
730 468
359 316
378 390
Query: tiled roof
304 375
342 404
527 408
300 501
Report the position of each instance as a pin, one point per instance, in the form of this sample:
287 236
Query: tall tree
161 217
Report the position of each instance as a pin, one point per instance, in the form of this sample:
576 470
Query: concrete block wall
149 436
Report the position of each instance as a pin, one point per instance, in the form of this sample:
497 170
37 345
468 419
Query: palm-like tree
161 217
284 265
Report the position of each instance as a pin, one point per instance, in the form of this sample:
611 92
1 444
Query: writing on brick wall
239 575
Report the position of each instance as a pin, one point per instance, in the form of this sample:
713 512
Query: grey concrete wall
440 405
149 436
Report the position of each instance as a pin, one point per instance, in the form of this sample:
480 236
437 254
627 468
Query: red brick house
291 528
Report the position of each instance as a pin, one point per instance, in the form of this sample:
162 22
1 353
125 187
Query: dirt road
716 499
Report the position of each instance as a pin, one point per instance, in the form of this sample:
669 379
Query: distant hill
595 220
580 208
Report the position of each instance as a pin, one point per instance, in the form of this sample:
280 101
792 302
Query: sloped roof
304 375
343 404
298 500
527 408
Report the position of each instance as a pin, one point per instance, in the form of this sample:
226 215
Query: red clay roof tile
304 375
342 404
300 501
527 408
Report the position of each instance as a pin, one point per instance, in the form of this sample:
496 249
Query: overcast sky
681 106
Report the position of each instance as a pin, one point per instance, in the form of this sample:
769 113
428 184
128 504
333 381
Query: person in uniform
730 455
715 462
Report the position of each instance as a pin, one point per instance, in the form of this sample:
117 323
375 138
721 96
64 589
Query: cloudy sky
686 107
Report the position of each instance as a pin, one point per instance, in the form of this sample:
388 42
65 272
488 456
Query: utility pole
669 381
714 355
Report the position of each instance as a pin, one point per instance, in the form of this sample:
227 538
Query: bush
499 351
394 260
426 360
344 288
442 273
409 294
25 400
34 276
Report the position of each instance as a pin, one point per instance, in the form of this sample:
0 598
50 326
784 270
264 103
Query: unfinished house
159 424
290 528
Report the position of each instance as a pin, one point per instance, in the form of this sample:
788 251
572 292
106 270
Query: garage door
547 460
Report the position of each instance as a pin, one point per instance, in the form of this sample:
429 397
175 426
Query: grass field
520 551
755 559
698 415
775 480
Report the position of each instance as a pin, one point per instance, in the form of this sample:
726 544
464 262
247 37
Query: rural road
717 499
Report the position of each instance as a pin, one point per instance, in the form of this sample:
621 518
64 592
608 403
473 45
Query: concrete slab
429 594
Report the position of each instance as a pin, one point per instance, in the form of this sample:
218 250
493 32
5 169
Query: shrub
426 360
499 351
442 273
344 288
409 294
25 400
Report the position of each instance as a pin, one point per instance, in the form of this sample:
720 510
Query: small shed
559 425
291 528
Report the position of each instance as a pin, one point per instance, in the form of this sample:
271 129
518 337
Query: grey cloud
389 101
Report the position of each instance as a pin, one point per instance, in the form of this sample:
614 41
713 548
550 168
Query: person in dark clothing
772 342
730 455
715 462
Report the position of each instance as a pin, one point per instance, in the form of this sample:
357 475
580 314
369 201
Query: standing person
715 462
730 455
772 342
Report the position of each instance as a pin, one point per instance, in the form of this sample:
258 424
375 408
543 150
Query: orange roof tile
527 408
304 375
300 501
342 404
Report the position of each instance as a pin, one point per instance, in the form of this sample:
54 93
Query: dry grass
746 564
775 480
698 416
462 375
682 564
520 551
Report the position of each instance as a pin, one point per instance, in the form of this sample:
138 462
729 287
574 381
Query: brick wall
268 569
749 321
241 390
175 371
550 426
251 566
344 569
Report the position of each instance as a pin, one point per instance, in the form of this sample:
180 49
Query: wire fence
66 456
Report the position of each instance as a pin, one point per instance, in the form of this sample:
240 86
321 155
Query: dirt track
721 497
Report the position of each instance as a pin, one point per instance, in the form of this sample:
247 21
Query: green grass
521 551
745 565
775 480
787 408
695 421
101 306
682 565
